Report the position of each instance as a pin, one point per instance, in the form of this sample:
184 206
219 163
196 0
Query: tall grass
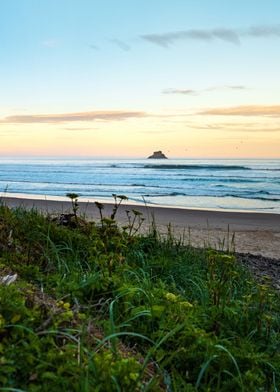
98 307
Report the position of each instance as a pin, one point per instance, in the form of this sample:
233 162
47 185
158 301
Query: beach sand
248 232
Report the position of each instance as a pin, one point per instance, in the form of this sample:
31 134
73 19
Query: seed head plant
74 201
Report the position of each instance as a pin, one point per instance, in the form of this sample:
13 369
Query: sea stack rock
157 155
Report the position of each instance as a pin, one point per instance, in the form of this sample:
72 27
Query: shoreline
109 200
246 232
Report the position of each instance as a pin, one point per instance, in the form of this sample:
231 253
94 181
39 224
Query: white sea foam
222 184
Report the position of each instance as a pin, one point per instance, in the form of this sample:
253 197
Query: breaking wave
197 167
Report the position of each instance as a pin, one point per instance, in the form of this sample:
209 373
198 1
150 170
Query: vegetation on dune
96 307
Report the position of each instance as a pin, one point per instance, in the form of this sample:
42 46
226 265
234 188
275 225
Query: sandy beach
248 232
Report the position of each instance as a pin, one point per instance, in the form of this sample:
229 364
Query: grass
96 307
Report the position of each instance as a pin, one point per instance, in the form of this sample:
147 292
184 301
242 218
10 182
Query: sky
123 78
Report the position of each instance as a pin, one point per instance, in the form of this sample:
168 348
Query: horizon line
105 157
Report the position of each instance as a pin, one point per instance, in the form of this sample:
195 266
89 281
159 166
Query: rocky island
157 155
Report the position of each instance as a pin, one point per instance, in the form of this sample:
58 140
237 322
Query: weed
102 307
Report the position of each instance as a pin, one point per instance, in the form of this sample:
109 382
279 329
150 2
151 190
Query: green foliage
103 308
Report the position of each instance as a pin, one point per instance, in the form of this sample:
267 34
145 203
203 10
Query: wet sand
252 232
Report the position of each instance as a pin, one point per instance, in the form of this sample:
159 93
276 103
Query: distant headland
157 155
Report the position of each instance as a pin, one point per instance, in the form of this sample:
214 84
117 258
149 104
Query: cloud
237 127
79 128
121 44
197 92
166 39
71 117
258 130
263 31
253 110
232 36
94 47
234 87
180 91
156 131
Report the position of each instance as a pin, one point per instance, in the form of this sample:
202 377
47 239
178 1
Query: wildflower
171 297
133 376
186 304
137 213
121 197
100 206
67 315
157 310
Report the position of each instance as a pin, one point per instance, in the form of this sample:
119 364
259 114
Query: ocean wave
126 165
167 194
267 169
144 186
251 197
78 183
221 179
197 167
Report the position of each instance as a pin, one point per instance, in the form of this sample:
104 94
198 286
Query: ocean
245 185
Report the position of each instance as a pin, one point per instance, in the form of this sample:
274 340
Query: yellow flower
171 297
133 376
68 315
186 304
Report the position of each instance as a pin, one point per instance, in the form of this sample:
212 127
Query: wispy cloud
230 87
198 92
233 36
121 44
94 47
79 128
253 110
261 130
180 91
72 117
258 130
263 31
166 39
238 127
